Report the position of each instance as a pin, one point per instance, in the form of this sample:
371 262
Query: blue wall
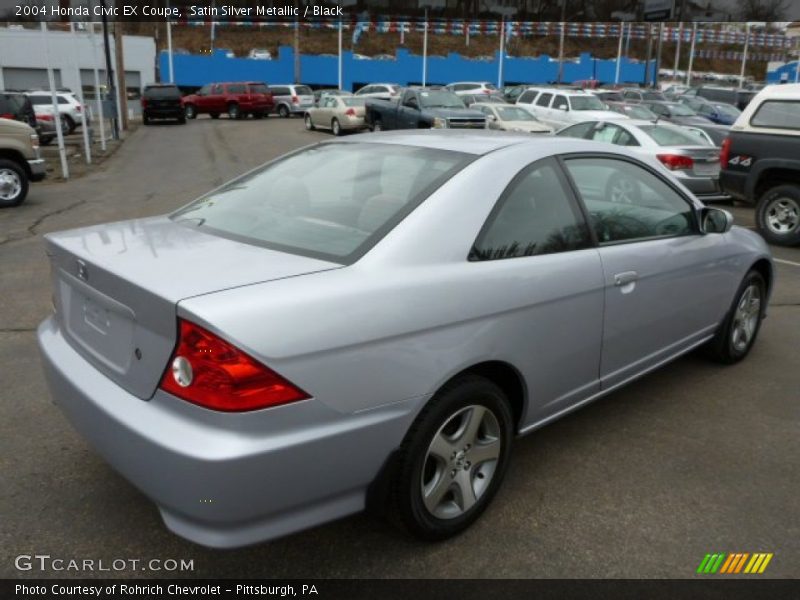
785 73
197 70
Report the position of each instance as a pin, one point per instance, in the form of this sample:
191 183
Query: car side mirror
492 118
715 220
564 108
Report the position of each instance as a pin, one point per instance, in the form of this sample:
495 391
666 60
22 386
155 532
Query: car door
665 282
559 110
325 115
541 108
215 101
408 111
535 251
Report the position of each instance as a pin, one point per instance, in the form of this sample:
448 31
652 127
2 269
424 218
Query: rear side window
237 88
534 216
258 88
303 90
527 97
777 114
162 91
544 100
627 202
331 201
280 91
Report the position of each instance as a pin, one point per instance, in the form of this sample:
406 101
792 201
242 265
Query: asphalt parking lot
695 458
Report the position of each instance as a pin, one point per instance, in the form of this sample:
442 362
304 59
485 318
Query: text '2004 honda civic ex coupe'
377 318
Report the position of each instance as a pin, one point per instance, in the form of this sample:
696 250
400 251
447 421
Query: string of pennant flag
524 28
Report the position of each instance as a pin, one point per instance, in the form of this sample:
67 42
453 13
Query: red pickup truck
236 99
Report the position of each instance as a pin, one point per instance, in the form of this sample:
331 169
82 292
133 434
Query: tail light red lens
42 117
78 108
206 370
295 100
725 153
6 116
144 102
350 112
676 162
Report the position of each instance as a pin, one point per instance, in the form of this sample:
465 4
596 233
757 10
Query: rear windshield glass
779 114
637 111
671 136
348 101
514 113
680 110
331 201
303 90
162 92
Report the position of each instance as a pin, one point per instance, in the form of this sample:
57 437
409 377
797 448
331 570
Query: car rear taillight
350 112
144 102
78 108
295 100
206 370
6 116
725 153
43 117
676 162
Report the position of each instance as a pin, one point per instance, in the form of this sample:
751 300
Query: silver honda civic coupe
372 321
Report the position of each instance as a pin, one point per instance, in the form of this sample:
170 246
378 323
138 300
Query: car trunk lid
116 288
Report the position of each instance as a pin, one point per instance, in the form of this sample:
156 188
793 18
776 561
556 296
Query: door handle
623 279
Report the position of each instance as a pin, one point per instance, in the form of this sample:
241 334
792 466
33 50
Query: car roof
477 143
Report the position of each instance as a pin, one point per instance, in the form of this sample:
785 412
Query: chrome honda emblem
83 272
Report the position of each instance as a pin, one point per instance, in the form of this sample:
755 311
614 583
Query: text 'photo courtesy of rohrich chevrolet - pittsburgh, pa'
334 297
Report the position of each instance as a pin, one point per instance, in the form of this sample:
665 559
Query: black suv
162 101
17 107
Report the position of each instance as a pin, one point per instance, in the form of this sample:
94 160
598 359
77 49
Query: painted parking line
786 262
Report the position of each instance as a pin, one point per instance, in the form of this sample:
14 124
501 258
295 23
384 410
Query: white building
25 54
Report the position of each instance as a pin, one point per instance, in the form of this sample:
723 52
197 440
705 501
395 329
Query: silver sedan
376 319
691 158
337 113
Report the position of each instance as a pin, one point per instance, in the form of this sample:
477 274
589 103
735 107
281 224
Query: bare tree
763 10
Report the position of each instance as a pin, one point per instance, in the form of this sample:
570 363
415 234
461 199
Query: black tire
416 461
308 122
214 115
145 119
623 190
724 347
13 183
234 112
258 115
336 127
376 124
283 111
182 120
69 123
190 111
778 215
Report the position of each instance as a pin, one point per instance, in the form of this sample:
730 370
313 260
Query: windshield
513 113
664 135
440 99
586 103
610 96
681 110
727 109
333 201
635 111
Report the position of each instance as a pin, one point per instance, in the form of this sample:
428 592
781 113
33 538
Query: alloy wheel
460 462
745 319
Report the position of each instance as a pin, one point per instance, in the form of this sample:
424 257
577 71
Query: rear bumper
226 480
37 169
735 184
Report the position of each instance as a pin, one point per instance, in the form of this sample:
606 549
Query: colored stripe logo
734 563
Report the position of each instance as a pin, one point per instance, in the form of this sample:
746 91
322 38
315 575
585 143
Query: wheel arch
764 268
773 175
507 377
17 157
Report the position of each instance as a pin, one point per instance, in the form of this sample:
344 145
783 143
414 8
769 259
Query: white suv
386 91
560 108
463 88
68 107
